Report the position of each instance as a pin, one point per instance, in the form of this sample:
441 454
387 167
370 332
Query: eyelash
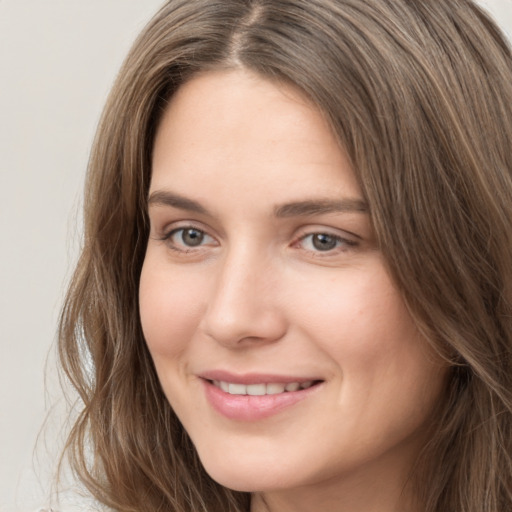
183 248
341 244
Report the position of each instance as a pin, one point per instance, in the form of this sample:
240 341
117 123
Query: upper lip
253 378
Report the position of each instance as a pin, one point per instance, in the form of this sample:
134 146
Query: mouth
261 389
256 397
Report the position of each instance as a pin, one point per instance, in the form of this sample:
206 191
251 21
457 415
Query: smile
261 389
254 400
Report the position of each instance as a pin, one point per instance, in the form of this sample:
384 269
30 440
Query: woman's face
277 334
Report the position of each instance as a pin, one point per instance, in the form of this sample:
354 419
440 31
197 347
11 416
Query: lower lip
253 408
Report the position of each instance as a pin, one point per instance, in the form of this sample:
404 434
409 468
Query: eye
188 238
325 242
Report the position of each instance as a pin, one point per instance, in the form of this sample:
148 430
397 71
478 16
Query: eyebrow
165 198
292 209
322 206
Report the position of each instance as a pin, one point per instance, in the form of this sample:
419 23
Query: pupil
324 242
192 237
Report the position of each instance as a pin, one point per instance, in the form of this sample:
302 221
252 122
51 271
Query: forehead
237 131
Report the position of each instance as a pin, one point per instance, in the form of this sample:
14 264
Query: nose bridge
243 304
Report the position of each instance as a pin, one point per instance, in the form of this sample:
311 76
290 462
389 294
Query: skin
257 295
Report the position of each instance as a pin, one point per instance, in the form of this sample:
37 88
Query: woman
295 291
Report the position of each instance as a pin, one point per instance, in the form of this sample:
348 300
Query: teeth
273 388
237 389
256 389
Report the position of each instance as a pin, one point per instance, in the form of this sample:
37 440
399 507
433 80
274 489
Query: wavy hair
419 93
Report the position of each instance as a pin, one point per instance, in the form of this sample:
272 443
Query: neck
381 490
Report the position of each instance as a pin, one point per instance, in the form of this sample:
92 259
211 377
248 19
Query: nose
243 307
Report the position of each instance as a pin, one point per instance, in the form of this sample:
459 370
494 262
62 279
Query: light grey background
58 59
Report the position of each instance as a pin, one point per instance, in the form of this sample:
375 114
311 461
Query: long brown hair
419 93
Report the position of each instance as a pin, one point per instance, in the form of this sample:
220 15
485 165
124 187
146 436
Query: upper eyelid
182 248
168 227
331 231
169 232
337 237
165 230
309 220
333 235
160 222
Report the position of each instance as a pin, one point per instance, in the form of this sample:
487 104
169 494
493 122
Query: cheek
170 309
359 315
363 325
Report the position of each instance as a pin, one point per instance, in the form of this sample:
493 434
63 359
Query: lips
253 397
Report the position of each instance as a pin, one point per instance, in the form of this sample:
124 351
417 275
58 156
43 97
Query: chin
266 477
